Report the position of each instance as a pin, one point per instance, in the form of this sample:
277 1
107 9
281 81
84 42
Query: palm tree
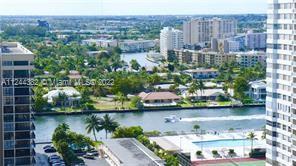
64 126
93 124
251 136
196 127
108 124
193 88
200 86
121 98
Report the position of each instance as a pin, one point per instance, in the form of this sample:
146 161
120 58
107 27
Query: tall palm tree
200 86
108 124
251 136
93 124
193 88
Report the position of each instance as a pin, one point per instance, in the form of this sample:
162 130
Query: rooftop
131 152
13 48
158 96
201 70
208 92
258 84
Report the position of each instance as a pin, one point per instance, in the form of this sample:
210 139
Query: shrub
231 151
198 153
214 152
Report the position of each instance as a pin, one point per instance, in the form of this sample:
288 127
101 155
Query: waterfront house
257 91
159 99
65 96
205 95
202 73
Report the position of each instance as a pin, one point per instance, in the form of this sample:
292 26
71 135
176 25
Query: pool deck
185 144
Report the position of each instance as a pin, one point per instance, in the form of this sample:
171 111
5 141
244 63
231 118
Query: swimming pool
226 143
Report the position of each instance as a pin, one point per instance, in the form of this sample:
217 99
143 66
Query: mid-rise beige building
202 58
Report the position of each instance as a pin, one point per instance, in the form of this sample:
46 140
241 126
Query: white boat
171 119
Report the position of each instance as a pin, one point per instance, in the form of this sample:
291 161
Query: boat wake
225 118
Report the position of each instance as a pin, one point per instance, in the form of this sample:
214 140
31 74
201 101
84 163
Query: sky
131 7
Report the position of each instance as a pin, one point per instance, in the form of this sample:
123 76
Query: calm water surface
208 119
140 57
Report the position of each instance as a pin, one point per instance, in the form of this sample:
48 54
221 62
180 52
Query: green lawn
105 103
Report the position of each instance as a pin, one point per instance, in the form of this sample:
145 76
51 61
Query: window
8 91
21 74
20 63
7 63
21 91
7 74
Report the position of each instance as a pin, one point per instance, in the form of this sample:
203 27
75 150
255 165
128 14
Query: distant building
158 99
43 24
258 91
251 58
137 45
170 39
202 73
214 45
255 41
233 46
202 58
200 31
105 43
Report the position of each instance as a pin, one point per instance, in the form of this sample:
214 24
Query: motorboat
171 119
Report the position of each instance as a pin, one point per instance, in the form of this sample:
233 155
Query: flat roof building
129 152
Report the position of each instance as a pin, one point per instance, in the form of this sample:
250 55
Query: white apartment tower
200 31
281 84
170 39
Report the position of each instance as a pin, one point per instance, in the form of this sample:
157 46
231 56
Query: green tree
135 65
240 87
200 86
128 132
196 127
121 98
108 124
39 102
93 124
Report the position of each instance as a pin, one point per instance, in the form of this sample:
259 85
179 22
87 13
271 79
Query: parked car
47 146
93 152
50 150
87 156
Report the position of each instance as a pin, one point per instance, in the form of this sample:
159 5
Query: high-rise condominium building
281 84
170 39
200 31
16 131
